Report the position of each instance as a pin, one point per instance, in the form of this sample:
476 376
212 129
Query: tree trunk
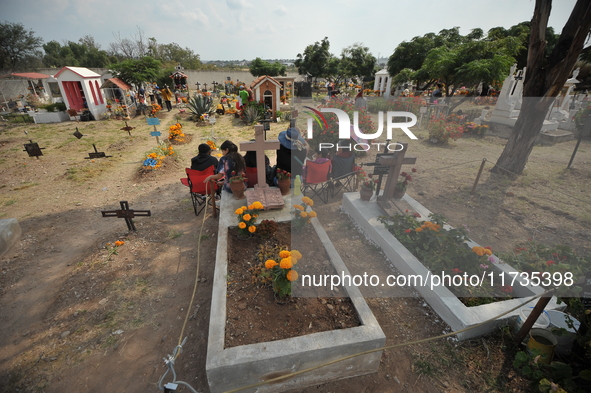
544 79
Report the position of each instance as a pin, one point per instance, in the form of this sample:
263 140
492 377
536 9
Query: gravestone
126 213
271 198
33 149
153 121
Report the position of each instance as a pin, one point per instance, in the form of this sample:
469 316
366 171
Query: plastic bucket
543 321
565 338
542 342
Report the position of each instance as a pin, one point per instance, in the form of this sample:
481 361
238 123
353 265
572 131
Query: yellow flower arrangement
301 216
283 273
247 217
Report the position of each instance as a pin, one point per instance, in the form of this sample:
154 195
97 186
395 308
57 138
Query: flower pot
237 188
284 186
398 193
365 193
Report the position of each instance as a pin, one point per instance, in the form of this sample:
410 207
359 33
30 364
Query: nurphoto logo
345 127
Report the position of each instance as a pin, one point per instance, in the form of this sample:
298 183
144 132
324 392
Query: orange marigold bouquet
247 216
283 273
301 214
176 133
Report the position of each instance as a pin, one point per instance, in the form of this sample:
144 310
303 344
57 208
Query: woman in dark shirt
231 162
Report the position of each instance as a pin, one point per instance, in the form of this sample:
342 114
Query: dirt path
76 316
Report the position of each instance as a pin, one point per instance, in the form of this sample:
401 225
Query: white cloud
197 15
280 10
238 4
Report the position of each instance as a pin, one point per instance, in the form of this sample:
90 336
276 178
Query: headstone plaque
33 149
152 121
155 133
96 154
78 134
271 198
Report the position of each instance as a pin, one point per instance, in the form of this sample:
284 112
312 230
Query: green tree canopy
136 72
84 53
19 48
260 67
357 61
314 61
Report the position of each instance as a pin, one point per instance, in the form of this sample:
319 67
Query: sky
269 29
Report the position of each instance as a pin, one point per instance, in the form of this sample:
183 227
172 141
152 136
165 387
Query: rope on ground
451 166
277 379
178 349
548 187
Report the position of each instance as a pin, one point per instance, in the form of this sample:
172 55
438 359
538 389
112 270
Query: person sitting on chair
292 151
204 159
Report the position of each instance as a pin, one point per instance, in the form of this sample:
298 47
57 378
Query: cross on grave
395 162
127 213
33 149
127 128
96 154
78 134
271 198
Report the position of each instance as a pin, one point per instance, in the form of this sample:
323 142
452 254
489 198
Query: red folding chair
201 192
317 180
251 175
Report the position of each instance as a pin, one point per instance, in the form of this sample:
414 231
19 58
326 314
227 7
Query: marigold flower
243 207
239 211
312 213
119 243
270 264
258 205
303 214
252 229
308 201
295 255
286 263
478 250
251 207
242 225
419 229
284 254
292 275
487 251
247 217
299 207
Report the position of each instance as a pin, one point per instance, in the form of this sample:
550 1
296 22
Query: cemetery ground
78 313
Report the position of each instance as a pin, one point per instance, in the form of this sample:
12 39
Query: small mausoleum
81 90
383 83
268 90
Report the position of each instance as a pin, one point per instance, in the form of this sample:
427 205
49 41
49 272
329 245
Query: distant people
328 86
150 93
204 159
231 164
167 96
132 95
158 95
437 93
220 110
243 96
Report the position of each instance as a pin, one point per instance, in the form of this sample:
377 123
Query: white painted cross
259 146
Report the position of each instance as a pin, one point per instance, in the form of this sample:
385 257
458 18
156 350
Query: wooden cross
395 162
259 146
127 213
127 128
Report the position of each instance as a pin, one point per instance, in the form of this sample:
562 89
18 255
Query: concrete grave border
231 368
445 304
